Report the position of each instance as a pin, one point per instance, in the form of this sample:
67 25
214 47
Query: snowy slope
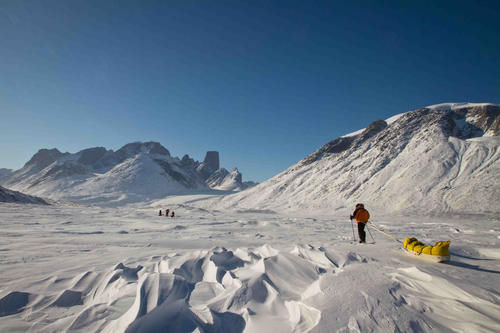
226 181
137 172
139 178
436 159
7 195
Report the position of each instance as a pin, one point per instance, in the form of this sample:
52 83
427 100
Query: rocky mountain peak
222 179
463 121
44 157
212 160
139 170
187 161
91 155
150 147
484 118
236 175
375 127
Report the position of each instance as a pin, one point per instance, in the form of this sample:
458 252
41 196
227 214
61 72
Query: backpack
362 215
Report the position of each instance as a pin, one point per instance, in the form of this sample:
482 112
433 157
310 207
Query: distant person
173 214
166 212
361 216
159 214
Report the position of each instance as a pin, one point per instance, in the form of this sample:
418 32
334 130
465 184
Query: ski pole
353 236
373 239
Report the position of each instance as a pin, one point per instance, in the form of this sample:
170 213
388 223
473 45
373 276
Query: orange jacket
361 215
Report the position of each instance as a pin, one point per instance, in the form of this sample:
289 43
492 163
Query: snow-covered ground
89 269
279 257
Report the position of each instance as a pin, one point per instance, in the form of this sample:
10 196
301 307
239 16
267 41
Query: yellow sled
438 253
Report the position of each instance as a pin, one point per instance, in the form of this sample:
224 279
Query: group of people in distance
361 216
167 211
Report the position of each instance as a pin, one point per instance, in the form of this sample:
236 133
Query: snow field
89 269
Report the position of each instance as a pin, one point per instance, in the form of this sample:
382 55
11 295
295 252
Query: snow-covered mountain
18 197
136 172
228 181
4 174
441 158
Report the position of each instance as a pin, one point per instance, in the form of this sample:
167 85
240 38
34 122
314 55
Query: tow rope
370 224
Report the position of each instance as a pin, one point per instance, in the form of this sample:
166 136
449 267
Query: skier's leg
361 232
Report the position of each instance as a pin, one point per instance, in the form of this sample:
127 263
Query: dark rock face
216 178
463 123
333 147
189 183
374 128
476 121
342 144
66 169
209 166
156 148
186 159
204 171
92 155
5 174
489 119
236 175
7 195
135 148
212 160
45 157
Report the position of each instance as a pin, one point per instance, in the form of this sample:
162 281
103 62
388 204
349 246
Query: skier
362 216
167 211
159 214
173 214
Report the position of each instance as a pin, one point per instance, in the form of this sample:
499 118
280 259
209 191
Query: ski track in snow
90 269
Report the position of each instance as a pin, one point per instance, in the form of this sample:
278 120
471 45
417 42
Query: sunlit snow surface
88 269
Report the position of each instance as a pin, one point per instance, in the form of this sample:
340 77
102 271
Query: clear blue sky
263 82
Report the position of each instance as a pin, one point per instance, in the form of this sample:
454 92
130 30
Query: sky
265 83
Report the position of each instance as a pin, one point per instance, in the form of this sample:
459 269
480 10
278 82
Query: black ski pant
361 231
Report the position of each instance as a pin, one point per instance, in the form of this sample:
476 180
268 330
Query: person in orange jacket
167 211
361 216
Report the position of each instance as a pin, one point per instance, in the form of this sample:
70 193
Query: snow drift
73 268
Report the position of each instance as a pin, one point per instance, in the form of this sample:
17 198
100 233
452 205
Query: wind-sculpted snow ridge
218 290
443 158
95 269
254 290
437 295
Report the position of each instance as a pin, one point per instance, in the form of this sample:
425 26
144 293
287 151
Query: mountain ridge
10 196
436 159
136 172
